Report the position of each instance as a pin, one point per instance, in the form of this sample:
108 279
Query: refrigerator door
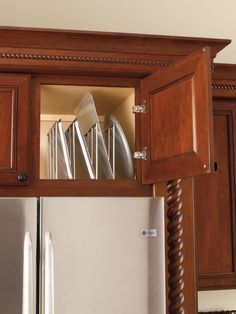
18 224
102 255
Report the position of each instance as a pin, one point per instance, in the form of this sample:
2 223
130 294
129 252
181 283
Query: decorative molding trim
224 86
175 250
43 57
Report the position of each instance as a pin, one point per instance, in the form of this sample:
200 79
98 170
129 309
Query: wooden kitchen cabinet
169 75
60 58
14 107
215 193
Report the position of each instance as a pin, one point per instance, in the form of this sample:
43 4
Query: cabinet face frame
80 187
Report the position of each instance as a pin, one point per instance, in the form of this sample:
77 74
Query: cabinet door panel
213 205
13 128
7 128
214 197
177 126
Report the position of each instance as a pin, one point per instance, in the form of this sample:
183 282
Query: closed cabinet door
214 198
14 97
176 124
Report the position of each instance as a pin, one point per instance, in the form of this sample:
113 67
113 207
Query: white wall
202 18
211 18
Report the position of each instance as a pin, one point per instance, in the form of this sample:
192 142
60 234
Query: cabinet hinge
141 154
140 108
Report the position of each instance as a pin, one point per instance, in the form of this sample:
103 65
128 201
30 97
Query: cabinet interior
61 102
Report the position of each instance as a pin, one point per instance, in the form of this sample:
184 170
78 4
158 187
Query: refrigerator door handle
28 291
48 275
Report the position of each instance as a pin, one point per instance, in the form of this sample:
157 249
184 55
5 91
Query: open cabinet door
177 125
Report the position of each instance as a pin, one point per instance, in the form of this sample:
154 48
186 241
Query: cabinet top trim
73 58
106 42
224 71
224 86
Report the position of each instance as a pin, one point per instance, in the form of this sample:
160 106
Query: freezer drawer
102 255
18 223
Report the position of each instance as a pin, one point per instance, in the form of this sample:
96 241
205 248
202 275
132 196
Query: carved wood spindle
175 250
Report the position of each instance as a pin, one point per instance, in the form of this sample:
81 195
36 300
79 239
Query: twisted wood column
175 250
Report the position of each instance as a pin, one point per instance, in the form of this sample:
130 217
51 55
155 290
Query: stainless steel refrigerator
88 255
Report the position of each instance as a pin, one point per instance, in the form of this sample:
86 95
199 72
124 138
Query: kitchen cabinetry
215 193
170 76
61 58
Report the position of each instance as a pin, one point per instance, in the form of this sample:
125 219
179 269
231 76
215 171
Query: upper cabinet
14 107
97 100
215 194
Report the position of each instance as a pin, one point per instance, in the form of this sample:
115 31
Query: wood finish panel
225 72
215 207
8 112
79 188
106 41
27 50
224 81
188 248
216 281
14 97
175 247
177 126
224 88
178 120
189 239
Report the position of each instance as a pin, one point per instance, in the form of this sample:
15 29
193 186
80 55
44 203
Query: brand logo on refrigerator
148 233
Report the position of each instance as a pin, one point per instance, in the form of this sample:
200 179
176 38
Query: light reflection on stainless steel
18 227
28 275
48 278
123 157
82 166
60 165
87 117
109 137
